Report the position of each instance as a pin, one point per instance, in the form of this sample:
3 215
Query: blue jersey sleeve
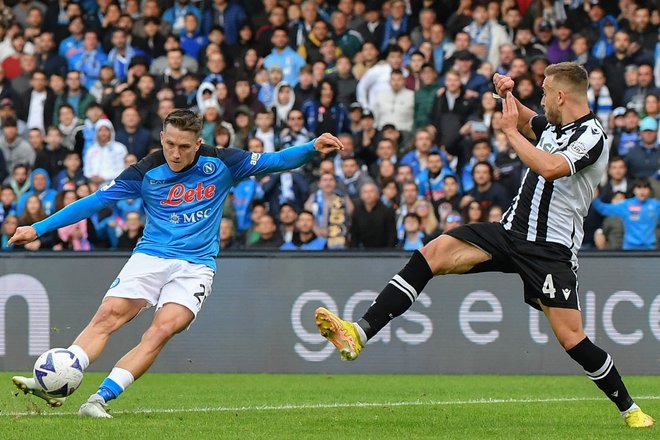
243 164
126 185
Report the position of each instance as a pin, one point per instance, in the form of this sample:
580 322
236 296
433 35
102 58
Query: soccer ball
58 372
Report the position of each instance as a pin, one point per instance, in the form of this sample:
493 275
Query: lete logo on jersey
180 194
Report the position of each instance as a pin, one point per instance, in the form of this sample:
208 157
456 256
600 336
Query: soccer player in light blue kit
184 188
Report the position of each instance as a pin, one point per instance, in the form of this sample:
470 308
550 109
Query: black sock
600 368
397 297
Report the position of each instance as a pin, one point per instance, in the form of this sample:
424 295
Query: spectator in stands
610 235
431 181
614 66
628 136
324 113
105 158
71 174
21 83
77 236
451 109
418 157
348 40
581 54
9 226
227 239
132 134
150 11
40 186
132 233
425 95
372 224
19 180
413 238
38 103
285 57
598 95
395 104
269 236
51 157
332 211
486 190
287 221
644 159
377 78
295 132
429 225
34 212
473 212
634 96
89 61
176 14
640 217
15 149
7 202
352 178
304 237
75 95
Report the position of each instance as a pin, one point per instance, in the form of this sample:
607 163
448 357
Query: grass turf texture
201 406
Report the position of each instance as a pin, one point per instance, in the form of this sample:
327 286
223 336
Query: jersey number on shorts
549 287
201 296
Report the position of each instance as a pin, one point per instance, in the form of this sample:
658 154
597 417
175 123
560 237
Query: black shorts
547 270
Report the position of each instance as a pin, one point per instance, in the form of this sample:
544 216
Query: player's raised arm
550 166
503 85
126 185
243 164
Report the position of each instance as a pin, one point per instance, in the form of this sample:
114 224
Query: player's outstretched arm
243 164
70 214
550 166
503 85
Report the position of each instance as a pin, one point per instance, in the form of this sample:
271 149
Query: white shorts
163 280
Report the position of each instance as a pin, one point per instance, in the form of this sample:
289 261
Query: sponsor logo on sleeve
255 158
579 148
108 186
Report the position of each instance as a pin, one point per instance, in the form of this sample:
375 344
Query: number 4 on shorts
549 286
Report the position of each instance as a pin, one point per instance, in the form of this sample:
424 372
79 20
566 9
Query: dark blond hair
570 74
184 120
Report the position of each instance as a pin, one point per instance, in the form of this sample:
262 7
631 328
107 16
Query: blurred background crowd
405 84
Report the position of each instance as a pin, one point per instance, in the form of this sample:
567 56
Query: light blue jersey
183 208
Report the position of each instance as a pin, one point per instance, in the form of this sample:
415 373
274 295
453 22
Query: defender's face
179 147
549 102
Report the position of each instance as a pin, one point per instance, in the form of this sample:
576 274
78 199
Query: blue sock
109 389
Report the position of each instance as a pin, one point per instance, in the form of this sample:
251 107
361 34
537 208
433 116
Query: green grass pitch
270 406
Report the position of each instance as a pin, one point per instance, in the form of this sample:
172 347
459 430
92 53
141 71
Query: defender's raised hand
327 143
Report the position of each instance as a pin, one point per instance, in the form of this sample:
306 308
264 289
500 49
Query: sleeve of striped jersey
538 124
243 164
584 148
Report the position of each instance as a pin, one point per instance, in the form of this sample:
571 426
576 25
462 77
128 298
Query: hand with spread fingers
327 143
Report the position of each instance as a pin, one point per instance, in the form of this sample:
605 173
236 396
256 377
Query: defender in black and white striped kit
538 238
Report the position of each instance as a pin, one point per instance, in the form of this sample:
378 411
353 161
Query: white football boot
94 407
30 386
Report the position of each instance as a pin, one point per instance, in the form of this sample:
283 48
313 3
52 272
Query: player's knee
159 333
569 340
439 256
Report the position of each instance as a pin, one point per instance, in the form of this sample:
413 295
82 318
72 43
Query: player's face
549 102
179 147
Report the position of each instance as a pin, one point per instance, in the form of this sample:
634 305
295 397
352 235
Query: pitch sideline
326 406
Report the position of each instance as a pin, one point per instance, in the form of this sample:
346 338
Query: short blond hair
570 74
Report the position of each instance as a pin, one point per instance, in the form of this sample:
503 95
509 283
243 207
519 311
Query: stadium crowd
405 84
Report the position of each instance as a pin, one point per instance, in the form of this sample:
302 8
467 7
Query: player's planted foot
342 334
30 386
94 407
638 419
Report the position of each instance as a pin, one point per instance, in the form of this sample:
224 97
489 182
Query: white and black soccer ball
58 372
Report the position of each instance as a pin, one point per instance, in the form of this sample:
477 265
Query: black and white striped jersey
553 211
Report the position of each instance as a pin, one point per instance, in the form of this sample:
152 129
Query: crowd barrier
260 315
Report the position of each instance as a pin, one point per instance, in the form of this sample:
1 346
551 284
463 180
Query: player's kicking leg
442 256
597 364
88 346
169 320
